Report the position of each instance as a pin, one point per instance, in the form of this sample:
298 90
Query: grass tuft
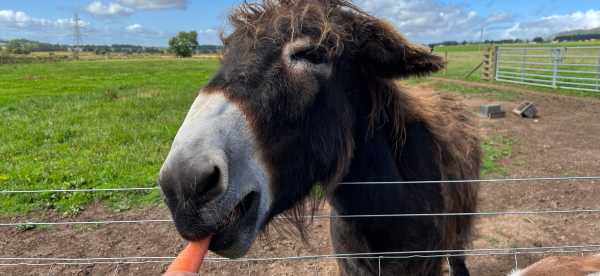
496 150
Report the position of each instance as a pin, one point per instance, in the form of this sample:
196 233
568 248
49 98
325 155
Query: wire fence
567 249
438 254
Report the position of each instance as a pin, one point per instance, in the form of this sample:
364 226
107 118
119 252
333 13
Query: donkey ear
388 54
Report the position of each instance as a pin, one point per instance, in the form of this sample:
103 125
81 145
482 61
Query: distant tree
184 44
100 51
18 47
538 40
89 48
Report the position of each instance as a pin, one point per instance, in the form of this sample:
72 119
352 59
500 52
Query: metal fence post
556 52
51 270
523 62
496 62
446 60
116 271
598 75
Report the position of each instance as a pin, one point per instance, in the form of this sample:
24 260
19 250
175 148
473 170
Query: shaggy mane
281 21
456 145
456 151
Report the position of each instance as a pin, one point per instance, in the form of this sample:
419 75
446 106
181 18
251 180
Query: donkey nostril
199 180
208 185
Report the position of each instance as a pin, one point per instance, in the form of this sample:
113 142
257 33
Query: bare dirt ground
563 141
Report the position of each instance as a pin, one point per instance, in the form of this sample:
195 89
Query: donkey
563 266
305 97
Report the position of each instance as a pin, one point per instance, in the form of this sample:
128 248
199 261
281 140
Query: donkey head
279 116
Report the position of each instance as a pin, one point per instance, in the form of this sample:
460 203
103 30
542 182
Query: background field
90 124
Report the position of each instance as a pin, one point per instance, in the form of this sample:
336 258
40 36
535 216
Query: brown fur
564 266
457 149
458 155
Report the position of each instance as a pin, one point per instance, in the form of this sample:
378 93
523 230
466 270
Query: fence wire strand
499 180
569 249
318 217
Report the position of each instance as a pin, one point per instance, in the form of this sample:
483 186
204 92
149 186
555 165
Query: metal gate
576 68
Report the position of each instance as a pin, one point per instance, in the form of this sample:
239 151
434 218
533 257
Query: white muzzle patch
216 129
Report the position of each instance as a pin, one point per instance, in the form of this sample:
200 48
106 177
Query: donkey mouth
237 230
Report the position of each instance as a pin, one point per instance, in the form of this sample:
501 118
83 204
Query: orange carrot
190 259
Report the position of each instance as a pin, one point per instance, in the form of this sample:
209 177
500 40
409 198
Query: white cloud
128 7
499 17
549 25
21 20
209 36
111 9
143 33
17 18
428 21
154 4
18 24
134 28
208 31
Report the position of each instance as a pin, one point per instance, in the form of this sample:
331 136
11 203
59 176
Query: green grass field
104 124
90 124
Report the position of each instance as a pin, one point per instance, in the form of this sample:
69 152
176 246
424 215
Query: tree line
24 47
577 37
560 38
500 41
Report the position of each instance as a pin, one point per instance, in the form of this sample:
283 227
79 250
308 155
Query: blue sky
152 22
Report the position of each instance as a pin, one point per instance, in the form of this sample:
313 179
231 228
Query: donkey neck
374 161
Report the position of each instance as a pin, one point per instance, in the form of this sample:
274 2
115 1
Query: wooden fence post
490 57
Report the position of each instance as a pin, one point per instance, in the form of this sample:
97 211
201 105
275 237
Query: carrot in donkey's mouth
190 259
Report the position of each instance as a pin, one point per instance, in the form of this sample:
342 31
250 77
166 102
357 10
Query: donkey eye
314 55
